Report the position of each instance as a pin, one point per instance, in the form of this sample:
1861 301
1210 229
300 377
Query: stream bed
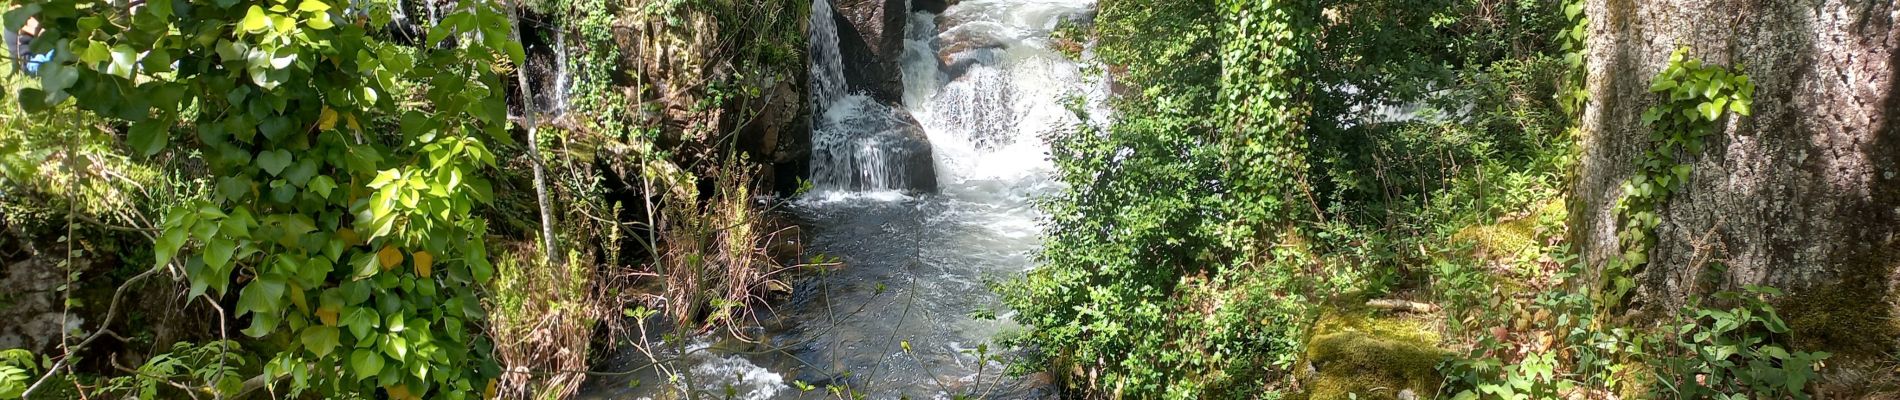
917 266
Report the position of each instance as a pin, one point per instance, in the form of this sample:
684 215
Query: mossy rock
1363 354
1509 238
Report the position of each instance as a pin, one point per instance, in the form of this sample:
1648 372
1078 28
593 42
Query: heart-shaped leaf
273 161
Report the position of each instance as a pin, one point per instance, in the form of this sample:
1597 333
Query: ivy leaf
16 18
95 54
218 253
255 20
162 9
321 340
1662 84
148 137
366 363
166 246
123 60
303 172
1740 107
266 294
320 21
322 185
360 320
313 6
396 347
55 78
1708 110
273 161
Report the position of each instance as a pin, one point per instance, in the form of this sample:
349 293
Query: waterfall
859 144
827 62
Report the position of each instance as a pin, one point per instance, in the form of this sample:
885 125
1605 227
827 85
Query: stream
917 265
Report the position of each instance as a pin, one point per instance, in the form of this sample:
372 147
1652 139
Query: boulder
1360 353
871 41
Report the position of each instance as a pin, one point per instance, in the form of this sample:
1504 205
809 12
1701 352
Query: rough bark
1801 196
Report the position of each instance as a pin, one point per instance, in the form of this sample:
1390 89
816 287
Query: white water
918 264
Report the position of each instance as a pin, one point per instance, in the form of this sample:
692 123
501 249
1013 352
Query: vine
346 169
1572 45
1695 97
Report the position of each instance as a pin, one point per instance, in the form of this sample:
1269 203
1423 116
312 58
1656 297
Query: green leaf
321 340
302 173
322 185
166 246
263 295
313 6
360 321
218 253
124 59
255 20
16 18
320 21
396 347
1661 84
273 161
148 137
1708 111
366 363
55 78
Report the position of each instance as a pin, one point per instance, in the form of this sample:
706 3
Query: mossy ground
1361 353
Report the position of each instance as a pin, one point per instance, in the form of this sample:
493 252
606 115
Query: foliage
1243 179
17 369
1695 97
215 368
354 248
1735 353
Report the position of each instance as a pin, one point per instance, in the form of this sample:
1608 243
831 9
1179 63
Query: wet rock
919 166
871 40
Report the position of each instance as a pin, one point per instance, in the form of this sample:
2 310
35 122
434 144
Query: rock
933 6
1361 353
32 315
918 162
871 41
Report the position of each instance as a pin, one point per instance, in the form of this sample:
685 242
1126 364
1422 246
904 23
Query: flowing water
917 265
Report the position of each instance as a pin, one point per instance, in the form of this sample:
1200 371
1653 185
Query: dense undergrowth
315 189
1273 166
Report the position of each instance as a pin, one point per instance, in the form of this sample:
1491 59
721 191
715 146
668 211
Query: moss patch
1848 319
1510 238
1363 354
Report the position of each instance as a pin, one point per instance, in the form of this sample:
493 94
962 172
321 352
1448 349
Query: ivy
346 169
1573 45
1695 96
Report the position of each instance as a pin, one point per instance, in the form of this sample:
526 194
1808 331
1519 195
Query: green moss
1849 318
1512 237
1358 353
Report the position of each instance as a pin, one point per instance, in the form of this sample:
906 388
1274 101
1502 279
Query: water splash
858 143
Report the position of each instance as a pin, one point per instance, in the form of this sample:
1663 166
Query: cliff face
1804 195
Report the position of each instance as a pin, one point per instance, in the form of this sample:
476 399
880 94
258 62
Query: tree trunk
552 253
1803 196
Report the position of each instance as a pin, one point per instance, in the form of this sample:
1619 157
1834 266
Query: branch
112 313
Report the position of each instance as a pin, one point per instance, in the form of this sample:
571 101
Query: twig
112 312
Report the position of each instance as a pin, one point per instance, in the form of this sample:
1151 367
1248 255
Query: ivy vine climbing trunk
1804 195
551 253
